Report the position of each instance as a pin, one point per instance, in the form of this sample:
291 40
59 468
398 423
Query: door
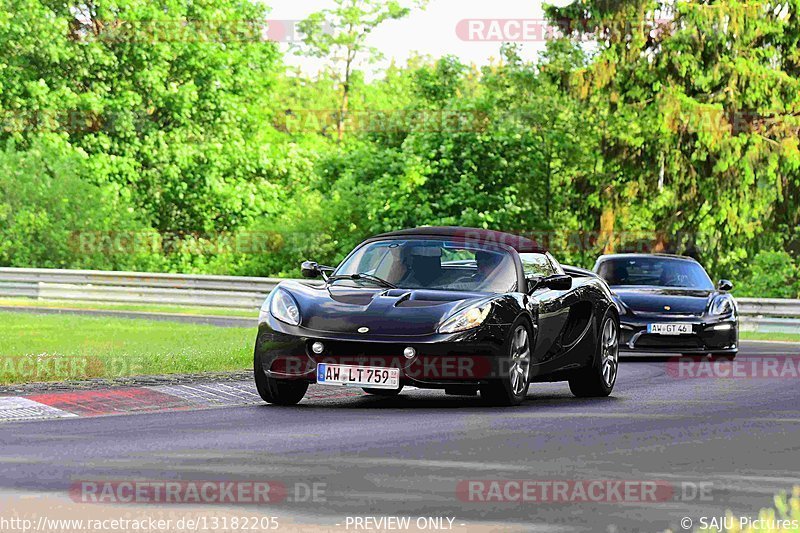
553 305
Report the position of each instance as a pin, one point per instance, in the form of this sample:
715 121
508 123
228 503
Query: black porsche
459 309
667 303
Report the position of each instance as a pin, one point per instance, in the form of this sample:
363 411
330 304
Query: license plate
670 329
358 376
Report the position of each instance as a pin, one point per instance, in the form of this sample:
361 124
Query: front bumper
472 357
708 335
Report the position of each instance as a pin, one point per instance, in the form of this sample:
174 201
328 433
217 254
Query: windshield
433 264
655 271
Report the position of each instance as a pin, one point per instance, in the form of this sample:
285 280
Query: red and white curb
14 408
90 403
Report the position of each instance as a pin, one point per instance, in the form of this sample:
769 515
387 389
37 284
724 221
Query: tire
383 392
277 391
512 387
723 356
598 379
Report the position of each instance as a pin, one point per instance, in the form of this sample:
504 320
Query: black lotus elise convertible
459 309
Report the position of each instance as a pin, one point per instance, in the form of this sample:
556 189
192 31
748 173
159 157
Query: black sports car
459 309
667 303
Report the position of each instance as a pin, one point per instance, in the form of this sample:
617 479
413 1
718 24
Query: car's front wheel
598 379
512 386
277 391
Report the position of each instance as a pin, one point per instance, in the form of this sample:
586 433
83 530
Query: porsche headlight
722 305
284 308
468 318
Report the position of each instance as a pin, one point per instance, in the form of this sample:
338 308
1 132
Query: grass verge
146 308
65 347
763 336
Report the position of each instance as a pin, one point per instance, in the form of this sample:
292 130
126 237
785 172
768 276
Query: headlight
722 305
284 308
468 318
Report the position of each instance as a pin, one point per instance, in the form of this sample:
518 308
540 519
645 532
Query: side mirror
725 285
558 282
310 269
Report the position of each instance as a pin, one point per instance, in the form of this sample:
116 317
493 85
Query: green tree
773 274
698 106
52 215
339 34
165 97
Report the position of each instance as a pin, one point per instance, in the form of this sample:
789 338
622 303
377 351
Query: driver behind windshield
423 266
486 263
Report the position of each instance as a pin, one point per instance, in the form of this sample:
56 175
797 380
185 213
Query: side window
536 265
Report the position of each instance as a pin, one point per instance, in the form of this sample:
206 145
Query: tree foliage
674 129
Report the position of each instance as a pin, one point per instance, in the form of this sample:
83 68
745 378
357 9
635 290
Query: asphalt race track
719 444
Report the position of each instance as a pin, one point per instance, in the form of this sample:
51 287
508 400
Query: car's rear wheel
512 387
598 379
277 391
383 392
723 356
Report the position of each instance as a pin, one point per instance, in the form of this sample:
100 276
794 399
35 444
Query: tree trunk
607 222
345 95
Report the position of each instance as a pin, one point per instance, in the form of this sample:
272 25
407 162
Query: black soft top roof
470 235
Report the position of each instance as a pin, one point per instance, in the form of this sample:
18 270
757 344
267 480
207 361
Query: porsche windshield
655 271
432 264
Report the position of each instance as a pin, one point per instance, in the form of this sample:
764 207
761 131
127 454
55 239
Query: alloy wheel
610 352
520 360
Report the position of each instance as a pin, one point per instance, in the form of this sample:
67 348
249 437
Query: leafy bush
49 205
772 275
786 512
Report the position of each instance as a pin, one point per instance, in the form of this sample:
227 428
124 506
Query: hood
656 300
383 311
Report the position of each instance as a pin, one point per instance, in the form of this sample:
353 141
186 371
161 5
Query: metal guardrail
234 292
135 287
769 307
771 315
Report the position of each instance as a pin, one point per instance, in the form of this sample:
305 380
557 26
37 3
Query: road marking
644 416
755 341
13 408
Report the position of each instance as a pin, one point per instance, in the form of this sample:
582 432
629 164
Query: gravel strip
129 381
